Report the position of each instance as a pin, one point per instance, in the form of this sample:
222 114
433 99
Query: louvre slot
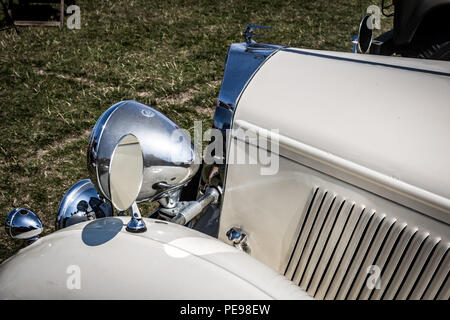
331 245
393 261
387 249
303 236
312 239
405 265
325 285
444 292
429 270
339 242
417 267
347 259
438 279
321 243
360 254
302 224
369 260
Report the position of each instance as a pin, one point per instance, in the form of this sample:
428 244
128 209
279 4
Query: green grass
55 83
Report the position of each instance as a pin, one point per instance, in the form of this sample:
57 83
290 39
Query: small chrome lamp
81 203
23 224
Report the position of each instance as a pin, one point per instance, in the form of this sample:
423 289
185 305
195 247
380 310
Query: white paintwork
269 208
166 262
347 127
386 126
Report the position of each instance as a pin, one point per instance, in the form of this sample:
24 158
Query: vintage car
328 178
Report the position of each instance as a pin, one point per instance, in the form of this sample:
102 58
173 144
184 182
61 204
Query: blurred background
55 82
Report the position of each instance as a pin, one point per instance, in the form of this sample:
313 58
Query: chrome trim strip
242 63
95 138
388 187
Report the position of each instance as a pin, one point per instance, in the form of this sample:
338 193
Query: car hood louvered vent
340 244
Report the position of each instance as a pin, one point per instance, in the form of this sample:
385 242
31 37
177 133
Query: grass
55 83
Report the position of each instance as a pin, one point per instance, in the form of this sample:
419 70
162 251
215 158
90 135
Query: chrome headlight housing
170 159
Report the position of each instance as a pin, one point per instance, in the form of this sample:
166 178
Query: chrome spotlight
23 224
169 157
81 203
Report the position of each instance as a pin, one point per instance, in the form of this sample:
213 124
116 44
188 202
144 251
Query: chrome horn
23 224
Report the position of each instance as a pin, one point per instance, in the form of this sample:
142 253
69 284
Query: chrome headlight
81 203
170 159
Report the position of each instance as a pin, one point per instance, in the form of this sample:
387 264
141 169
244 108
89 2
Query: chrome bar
196 207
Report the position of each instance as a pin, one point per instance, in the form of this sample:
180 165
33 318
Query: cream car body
363 182
100 260
363 175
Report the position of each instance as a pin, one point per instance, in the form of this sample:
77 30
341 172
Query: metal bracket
136 224
239 239
196 207
354 40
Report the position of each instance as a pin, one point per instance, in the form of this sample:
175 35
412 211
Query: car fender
99 259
